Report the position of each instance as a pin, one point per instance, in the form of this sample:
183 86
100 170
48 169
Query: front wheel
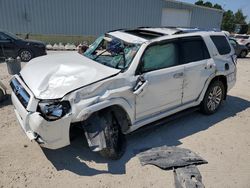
213 97
115 139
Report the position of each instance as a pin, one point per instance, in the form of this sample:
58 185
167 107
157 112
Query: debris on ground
181 160
170 157
188 177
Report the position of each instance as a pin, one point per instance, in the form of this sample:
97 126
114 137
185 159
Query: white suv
125 80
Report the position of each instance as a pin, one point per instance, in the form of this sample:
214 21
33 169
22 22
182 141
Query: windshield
112 52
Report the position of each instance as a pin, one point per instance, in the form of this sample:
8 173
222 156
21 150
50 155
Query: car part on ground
169 157
181 160
13 65
2 91
188 177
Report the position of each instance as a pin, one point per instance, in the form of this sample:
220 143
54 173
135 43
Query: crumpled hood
54 75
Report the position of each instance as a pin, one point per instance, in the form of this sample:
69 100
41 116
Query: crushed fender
188 177
170 157
94 133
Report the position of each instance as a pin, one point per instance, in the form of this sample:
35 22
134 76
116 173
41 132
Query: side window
193 49
221 44
160 56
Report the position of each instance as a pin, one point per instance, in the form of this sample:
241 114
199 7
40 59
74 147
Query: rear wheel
115 139
213 97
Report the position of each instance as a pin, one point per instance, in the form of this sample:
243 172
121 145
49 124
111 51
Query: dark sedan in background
240 50
13 46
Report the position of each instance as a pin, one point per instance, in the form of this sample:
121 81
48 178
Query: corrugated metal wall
92 17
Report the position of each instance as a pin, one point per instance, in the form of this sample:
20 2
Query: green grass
60 38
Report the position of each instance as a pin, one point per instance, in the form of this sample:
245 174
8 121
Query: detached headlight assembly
52 111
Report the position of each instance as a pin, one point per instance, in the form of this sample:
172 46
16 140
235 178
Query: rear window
221 44
193 49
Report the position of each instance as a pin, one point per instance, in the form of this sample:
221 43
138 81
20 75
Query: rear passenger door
198 66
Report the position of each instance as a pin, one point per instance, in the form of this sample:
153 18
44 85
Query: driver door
161 78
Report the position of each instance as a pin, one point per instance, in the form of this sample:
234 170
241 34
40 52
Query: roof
143 34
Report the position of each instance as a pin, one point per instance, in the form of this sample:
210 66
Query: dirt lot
222 139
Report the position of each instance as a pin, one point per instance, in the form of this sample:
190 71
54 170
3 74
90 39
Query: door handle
178 75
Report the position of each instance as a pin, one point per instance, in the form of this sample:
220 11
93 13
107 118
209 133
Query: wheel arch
213 78
121 108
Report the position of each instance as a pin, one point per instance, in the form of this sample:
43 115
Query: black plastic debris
188 177
170 157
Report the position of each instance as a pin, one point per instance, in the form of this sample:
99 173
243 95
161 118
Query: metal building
93 17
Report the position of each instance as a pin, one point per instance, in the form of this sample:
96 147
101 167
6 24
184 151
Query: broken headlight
52 111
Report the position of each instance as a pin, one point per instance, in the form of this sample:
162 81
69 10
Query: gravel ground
222 139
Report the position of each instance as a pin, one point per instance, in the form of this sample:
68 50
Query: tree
228 21
217 6
199 2
208 4
239 17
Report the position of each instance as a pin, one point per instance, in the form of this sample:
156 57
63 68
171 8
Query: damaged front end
46 122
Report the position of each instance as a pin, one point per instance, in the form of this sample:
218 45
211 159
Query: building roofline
196 6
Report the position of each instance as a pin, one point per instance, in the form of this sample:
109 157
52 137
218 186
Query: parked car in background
126 79
13 46
240 50
243 39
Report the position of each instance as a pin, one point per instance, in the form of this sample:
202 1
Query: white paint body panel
46 75
163 92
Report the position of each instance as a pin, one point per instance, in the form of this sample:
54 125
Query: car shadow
77 157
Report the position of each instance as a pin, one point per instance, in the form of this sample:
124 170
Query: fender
211 77
85 113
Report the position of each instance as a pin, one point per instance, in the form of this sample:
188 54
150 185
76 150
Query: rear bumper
49 134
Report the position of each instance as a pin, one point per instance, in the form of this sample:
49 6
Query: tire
213 98
115 139
1 95
243 54
25 55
